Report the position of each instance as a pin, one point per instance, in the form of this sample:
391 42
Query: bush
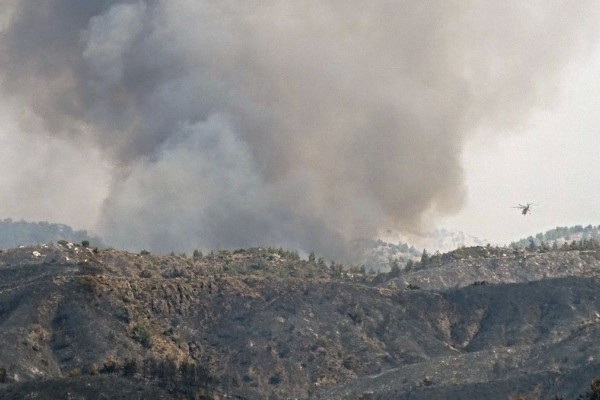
257 266
111 365
142 334
275 380
594 393
93 369
145 274
131 367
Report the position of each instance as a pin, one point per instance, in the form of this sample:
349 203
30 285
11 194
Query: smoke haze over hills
175 124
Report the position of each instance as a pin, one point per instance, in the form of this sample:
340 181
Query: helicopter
525 209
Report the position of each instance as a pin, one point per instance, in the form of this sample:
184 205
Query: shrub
131 367
594 393
142 334
224 252
275 380
93 369
145 274
257 266
111 365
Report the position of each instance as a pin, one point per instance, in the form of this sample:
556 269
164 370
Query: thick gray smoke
294 123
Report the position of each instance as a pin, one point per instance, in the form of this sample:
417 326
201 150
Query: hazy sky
181 124
552 161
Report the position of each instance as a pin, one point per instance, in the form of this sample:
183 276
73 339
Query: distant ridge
397 249
442 240
378 255
560 235
23 233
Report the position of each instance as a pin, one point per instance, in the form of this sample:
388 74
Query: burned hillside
265 323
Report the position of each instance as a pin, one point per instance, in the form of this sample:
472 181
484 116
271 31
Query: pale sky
552 162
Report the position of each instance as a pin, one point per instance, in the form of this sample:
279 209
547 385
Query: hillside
263 323
23 233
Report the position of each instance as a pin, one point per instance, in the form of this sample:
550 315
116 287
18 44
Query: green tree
394 268
336 269
321 263
424 257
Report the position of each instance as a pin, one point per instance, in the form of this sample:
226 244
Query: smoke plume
303 123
